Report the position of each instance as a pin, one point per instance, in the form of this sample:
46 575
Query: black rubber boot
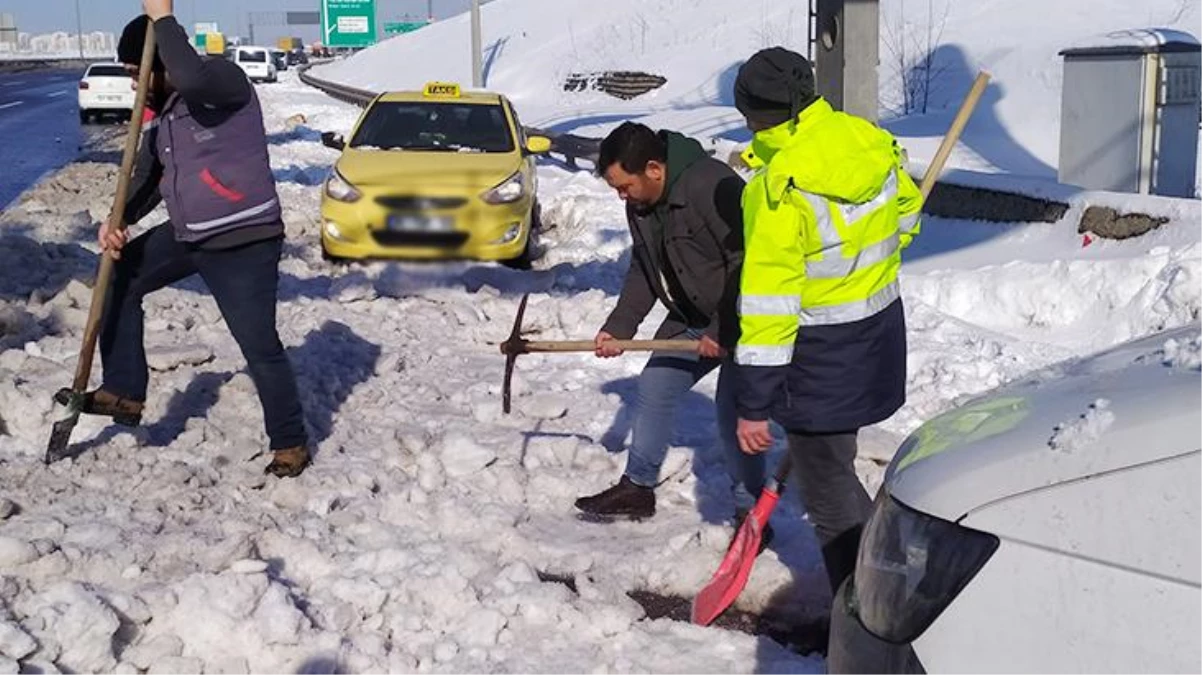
839 556
624 501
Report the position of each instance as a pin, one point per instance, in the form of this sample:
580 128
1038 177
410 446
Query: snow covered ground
416 540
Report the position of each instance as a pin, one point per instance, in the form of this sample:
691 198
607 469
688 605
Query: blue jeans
243 281
664 381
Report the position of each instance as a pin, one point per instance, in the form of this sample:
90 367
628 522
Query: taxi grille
413 203
439 239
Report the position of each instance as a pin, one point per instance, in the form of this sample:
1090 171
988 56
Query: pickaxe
515 346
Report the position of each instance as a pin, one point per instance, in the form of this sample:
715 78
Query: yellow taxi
436 173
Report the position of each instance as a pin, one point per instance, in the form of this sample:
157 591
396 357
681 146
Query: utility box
1129 113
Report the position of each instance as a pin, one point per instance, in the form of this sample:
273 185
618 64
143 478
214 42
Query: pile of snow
416 540
1084 431
419 538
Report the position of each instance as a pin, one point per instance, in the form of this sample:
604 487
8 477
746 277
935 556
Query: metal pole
79 29
477 68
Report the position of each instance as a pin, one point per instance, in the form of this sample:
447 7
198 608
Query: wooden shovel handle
953 133
628 345
83 368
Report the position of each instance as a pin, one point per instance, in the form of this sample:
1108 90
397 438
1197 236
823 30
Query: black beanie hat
774 86
129 47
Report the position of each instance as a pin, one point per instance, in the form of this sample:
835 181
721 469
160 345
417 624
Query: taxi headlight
508 191
337 188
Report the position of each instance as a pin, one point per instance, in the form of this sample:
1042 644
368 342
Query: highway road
39 127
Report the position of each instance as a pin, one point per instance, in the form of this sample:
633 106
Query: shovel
732 574
73 399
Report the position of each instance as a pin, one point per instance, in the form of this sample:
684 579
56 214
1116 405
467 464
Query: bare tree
1178 13
912 57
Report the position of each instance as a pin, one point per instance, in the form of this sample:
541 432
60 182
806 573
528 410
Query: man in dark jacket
685 222
205 154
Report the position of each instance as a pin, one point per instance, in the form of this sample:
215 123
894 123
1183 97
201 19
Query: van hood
1135 403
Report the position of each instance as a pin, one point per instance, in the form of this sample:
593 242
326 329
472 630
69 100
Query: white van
256 62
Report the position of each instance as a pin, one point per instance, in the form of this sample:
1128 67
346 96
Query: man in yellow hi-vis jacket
823 338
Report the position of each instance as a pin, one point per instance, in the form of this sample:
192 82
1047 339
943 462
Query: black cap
129 47
774 86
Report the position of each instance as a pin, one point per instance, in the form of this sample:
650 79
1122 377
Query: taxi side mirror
333 140
538 145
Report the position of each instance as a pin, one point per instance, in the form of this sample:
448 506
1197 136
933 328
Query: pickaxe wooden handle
515 346
520 346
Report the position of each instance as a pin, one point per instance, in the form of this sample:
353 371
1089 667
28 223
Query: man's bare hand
754 436
157 9
112 239
710 349
603 350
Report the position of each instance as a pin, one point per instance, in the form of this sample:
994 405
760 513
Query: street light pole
477 69
79 30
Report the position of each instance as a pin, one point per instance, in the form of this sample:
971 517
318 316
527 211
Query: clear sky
44 16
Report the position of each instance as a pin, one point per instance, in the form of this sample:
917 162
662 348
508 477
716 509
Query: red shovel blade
732 574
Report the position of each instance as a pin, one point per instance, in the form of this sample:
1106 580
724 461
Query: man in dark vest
205 155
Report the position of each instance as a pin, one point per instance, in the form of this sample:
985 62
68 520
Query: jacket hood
683 152
828 153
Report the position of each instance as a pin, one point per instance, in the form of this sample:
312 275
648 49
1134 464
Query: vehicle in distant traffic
256 62
297 57
280 58
106 88
436 173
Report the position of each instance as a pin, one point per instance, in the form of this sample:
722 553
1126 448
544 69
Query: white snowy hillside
532 46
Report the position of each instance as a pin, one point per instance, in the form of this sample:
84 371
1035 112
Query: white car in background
106 88
256 62
1050 526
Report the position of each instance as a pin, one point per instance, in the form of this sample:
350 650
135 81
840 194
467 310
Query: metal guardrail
9 65
570 146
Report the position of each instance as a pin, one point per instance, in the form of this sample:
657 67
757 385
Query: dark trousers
243 281
838 504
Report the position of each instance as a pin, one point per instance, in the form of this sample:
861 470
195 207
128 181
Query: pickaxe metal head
513 347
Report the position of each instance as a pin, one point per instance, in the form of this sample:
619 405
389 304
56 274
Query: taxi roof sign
442 89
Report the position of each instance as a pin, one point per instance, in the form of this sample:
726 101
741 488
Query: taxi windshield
445 127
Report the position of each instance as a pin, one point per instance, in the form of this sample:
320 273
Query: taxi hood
1135 403
417 169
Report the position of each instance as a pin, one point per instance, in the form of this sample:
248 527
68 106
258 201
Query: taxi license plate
409 223
110 98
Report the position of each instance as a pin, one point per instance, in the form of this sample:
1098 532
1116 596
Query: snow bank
531 46
415 541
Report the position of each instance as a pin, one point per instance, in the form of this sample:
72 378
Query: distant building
8 31
96 43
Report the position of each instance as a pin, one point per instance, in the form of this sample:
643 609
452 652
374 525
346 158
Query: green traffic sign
348 23
394 28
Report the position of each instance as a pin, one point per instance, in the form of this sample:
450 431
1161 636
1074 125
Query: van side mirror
333 140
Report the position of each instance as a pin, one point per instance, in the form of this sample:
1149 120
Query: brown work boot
289 462
124 411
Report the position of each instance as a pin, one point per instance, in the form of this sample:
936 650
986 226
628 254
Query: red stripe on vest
216 186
